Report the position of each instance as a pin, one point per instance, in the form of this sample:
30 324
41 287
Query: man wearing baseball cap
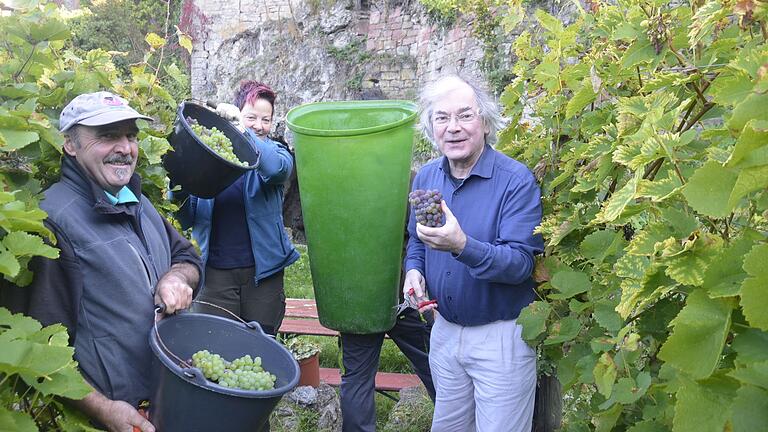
118 259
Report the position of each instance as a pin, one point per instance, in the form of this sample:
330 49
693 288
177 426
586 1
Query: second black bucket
184 401
197 168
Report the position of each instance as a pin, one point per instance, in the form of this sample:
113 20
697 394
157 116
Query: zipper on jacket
144 265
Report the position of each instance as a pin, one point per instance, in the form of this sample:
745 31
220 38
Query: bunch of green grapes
426 207
243 373
216 141
213 366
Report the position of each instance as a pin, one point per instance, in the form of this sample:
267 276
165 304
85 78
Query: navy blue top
497 206
230 241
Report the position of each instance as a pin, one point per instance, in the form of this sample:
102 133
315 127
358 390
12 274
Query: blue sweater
263 195
497 206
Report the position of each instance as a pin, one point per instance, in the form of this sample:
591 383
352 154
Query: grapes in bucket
216 141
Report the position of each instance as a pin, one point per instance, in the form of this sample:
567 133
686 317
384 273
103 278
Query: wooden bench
301 318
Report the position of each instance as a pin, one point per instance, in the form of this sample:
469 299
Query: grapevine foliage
646 123
40 71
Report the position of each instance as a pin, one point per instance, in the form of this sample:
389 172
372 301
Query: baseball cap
96 109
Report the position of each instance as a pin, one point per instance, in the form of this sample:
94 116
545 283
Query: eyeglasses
463 117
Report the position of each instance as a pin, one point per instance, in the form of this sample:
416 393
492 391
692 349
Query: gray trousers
237 291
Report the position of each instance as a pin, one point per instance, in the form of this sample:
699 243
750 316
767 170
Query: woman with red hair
240 231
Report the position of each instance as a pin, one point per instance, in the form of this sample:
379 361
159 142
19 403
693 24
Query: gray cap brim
107 117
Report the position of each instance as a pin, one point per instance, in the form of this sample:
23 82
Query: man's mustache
119 159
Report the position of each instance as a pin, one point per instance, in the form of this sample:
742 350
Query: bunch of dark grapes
243 373
426 206
215 140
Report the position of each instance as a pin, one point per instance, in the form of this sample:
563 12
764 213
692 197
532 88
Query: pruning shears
413 302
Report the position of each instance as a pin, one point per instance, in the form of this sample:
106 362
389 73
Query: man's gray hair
74 134
489 108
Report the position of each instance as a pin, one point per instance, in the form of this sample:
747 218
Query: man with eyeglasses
477 266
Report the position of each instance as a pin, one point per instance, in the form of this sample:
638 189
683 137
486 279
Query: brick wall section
406 50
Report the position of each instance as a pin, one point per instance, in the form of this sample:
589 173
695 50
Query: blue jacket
263 194
498 205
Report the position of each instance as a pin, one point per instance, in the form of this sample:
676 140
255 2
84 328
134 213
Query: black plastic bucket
183 400
193 165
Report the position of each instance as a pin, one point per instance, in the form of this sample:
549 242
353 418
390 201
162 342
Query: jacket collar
73 174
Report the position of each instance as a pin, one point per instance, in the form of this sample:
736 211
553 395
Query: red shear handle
143 414
427 303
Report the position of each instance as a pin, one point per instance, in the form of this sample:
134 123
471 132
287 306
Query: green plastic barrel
353 161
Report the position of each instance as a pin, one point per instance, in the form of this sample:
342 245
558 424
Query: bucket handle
160 309
250 325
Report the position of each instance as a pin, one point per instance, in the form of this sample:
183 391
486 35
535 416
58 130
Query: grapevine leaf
753 107
17 421
680 223
24 244
552 24
724 275
654 320
606 420
533 318
730 90
570 283
73 419
23 356
659 190
689 267
631 293
176 73
704 406
49 30
585 96
750 140
750 180
601 244
66 382
605 315
640 51
631 266
700 330
9 265
753 373
627 390
754 262
186 42
709 190
153 148
19 325
644 242
647 426
751 346
750 409
570 367
613 208
705 20
754 296
547 73
11 139
154 40
563 330
605 374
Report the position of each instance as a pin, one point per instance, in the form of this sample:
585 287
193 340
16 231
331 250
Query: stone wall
311 50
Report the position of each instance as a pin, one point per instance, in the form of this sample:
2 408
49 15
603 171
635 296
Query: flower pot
309 370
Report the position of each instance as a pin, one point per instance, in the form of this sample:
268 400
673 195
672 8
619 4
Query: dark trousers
237 291
360 353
